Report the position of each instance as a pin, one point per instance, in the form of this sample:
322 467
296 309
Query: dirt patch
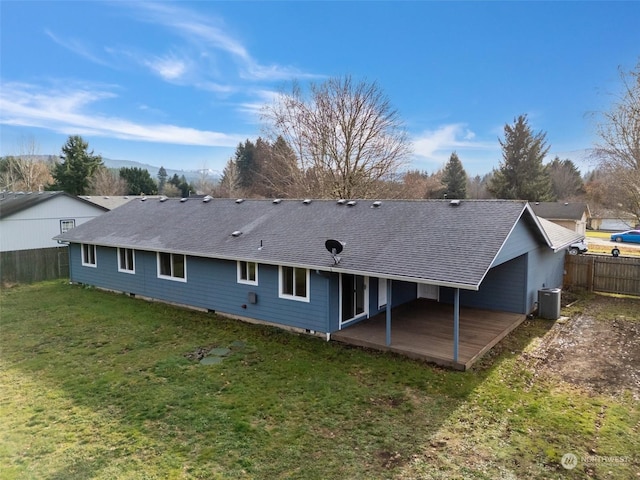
598 349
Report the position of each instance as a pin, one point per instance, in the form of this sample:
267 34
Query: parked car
578 247
628 236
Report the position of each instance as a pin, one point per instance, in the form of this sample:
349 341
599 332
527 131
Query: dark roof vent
342 201
240 200
184 199
376 204
207 199
163 198
454 203
306 201
276 201
351 203
237 233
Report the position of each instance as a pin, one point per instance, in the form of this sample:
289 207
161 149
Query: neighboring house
268 261
30 220
114 201
610 220
574 216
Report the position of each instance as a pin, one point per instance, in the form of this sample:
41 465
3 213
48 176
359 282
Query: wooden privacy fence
26 266
601 273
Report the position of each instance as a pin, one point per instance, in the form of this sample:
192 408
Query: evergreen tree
522 175
139 181
78 165
162 179
182 185
566 181
455 178
246 165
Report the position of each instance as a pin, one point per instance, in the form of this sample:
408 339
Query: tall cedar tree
566 181
522 175
139 181
455 178
162 179
246 164
78 165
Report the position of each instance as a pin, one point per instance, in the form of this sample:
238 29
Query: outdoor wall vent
342 201
376 204
240 200
351 203
306 201
454 203
163 199
277 201
207 199
237 233
184 199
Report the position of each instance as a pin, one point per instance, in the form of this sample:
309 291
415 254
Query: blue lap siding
211 284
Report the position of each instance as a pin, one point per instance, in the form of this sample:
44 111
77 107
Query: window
126 260
172 266
248 273
89 255
66 225
294 283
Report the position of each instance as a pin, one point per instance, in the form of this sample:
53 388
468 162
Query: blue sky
180 84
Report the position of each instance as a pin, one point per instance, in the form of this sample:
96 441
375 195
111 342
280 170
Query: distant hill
190 175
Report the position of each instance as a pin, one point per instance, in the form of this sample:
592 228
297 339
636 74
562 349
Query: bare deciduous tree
26 171
618 150
346 136
107 182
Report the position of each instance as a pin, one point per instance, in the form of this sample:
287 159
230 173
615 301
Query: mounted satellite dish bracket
334 247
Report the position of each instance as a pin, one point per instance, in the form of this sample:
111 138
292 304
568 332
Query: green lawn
100 385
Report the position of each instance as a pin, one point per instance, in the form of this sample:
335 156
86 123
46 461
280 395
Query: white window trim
170 277
239 272
293 297
67 220
95 256
124 270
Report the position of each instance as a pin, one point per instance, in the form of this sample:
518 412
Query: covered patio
424 329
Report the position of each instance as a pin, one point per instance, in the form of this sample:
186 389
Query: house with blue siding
276 261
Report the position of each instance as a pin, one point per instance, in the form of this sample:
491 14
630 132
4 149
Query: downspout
456 322
328 332
388 311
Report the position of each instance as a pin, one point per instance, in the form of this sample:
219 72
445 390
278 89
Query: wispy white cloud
169 67
439 143
78 47
64 111
210 36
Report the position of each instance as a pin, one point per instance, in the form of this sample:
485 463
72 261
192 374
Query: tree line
342 139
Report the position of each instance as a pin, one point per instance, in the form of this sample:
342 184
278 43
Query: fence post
590 273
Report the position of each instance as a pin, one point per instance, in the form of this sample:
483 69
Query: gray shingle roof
429 240
559 236
560 210
14 202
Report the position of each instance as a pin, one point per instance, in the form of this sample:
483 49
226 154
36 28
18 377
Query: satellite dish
334 247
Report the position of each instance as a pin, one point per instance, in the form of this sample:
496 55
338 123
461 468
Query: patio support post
388 339
456 322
